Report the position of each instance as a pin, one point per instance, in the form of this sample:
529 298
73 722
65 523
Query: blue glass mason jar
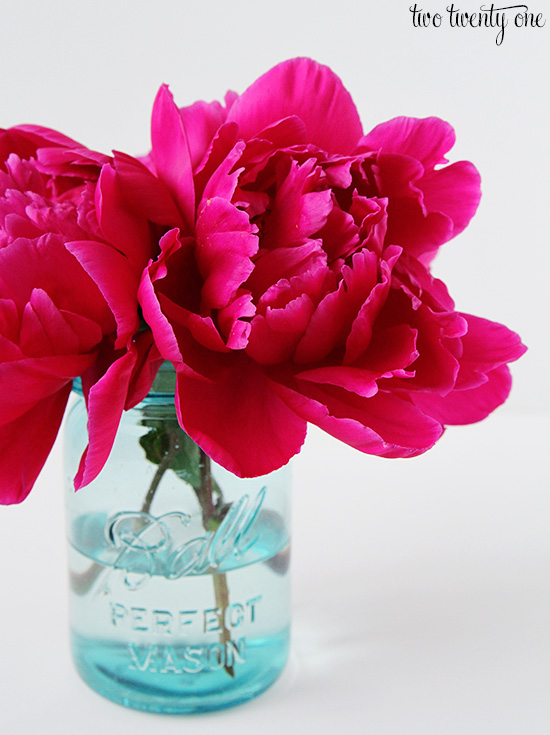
179 583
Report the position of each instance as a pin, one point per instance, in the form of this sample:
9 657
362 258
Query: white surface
421 599
421 587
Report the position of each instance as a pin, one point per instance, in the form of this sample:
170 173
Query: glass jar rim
163 386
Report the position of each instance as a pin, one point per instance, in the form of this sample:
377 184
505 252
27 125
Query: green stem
221 589
164 465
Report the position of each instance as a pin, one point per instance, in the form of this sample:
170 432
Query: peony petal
205 332
233 320
454 191
390 350
437 366
26 382
25 444
44 330
426 139
238 420
45 263
360 332
224 180
286 132
384 425
145 192
286 263
170 152
467 406
220 148
308 90
33 339
9 320
116 278
487 345
352 379
225 245
201 121
340 235
9 351
330 324
273 337
44 137
161 328
105 402
77 163
148 362
125 228
88 332
296 213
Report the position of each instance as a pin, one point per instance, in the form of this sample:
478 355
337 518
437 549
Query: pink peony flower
292 283
276 255
56 321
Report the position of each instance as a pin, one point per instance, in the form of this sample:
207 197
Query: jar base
180 679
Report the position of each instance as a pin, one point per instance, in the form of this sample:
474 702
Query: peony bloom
292 279
273 252
58 322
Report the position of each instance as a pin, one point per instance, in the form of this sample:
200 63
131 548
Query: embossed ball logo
160 546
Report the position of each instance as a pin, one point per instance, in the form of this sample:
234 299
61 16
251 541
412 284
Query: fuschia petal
116 278
487 345
25 444
286 132
46 263
390 350
9 351
233 320
286 263
467 406
330 324
161 328
273 337
383 425
9 320
44 330
201 121
360 332
426 139
125 228
145 192
455 191
44 137
352 379
26 382
205 332
238 420
170 152
304 88
340 235
225 140
105 402
296 214
148 361
223 181
88 332
225 245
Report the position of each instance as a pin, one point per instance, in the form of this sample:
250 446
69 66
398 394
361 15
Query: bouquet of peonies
276 255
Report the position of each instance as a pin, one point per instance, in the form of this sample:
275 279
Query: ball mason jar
179 583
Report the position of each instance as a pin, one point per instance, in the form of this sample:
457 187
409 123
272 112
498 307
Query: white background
421 588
